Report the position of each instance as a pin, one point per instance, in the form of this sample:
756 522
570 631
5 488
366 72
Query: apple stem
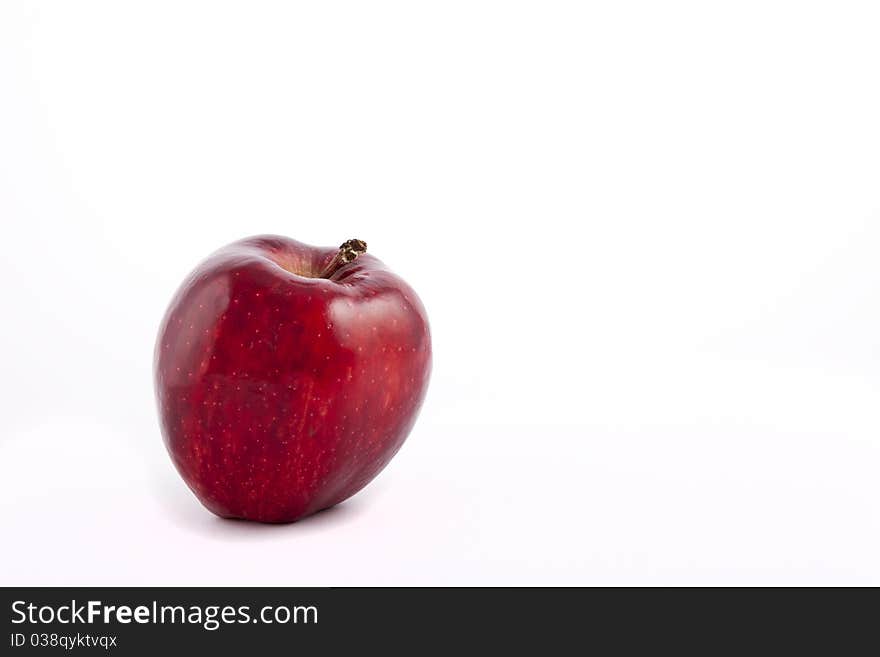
348 252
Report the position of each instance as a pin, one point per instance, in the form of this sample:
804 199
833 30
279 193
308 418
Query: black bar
416 621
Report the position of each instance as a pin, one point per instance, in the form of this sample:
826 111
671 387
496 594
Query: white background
647 236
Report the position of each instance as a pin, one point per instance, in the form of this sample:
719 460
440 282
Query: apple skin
281 393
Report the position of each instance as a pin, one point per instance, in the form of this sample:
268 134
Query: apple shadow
186 512
238 527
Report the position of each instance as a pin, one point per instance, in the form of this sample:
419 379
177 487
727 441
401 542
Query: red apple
288 375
